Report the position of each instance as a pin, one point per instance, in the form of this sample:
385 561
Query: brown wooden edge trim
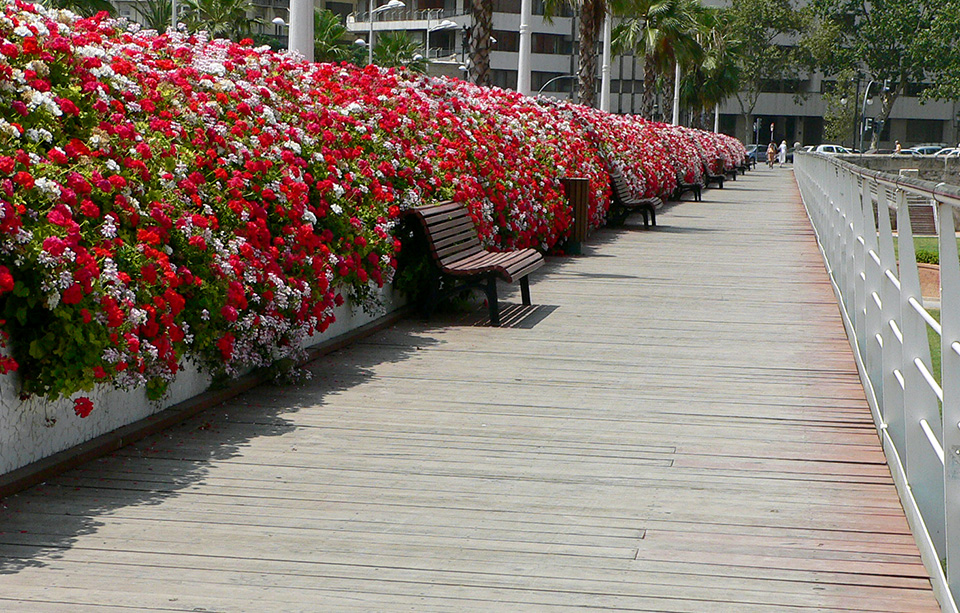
37 472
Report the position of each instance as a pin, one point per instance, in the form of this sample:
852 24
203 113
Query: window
506 41
553 44
563 82
505 79
507 6
341 9
924 131
563 10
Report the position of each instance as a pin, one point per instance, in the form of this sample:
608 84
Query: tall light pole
605 63
389 6
523 55
863 111
676 94
301 28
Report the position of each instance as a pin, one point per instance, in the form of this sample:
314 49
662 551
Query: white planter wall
36 428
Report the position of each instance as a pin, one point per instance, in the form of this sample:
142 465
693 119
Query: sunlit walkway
678 426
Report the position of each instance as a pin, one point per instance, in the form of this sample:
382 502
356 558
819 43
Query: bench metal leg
653 217
492 303
432 297
646 218
525 290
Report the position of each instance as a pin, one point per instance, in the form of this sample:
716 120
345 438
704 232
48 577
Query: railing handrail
940 192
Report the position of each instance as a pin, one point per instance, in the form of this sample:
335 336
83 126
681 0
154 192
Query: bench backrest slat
451 233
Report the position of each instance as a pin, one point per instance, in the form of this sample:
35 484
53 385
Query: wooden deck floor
677 427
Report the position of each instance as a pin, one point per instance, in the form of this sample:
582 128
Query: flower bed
168 197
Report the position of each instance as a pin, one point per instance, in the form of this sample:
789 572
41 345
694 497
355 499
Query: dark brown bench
624 203
718 179
455 249
682 188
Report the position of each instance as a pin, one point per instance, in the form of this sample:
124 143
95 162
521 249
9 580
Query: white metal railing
879 295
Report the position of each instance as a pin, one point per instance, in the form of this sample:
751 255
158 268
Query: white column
716 118
523 59
301 28
676 95
605 65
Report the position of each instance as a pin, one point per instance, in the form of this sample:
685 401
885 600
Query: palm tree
331 40
480 36
220 18
716 77
397 50
157 13
592 13
663 32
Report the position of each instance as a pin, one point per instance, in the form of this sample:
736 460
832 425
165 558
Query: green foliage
219 18
841 108
397 50
895 42
757 25
717 76
332 41
663 32
157 13
925 256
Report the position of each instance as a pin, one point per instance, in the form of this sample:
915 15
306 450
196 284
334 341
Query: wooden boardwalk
678 426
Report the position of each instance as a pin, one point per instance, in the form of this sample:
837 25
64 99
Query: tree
219 18
841 109
157 13
397 50
480 36
592 14
716 76
758 26
663 32
332 41
941 39
889 39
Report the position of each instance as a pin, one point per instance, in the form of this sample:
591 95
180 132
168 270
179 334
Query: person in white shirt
782 157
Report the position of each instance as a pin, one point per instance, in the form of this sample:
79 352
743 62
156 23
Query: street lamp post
393 4
863 111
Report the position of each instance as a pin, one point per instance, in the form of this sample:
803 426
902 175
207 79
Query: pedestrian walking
782 157
771 154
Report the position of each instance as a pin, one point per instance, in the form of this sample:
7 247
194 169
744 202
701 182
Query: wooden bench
455 249
623 203
718 179
683 188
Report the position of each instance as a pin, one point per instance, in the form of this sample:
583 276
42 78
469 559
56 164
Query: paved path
678 427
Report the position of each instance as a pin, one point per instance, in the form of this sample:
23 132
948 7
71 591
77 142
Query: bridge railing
896 338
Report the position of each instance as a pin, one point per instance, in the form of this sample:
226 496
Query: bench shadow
40 524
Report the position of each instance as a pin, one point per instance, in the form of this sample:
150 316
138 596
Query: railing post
892 353
870 344
858 260
923 465
950 376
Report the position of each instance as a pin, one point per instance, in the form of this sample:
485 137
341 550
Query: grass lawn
934 339
924 243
